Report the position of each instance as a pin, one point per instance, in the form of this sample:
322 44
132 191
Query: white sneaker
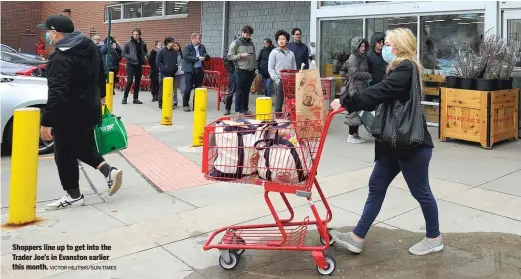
66 201
357 136
354 139
114 180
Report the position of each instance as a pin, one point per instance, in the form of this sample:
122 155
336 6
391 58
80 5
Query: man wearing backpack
166 62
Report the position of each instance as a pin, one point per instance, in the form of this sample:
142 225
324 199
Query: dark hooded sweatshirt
76 83
375 61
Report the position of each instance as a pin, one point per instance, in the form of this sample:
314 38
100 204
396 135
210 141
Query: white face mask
387 54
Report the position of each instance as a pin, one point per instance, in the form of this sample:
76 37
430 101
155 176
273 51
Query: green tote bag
110 135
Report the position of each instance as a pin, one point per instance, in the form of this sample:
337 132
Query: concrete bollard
200 106
167 110
263 108
24 166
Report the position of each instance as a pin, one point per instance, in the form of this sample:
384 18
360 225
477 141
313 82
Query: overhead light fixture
477 22
466 23
439 20
429 21
456 19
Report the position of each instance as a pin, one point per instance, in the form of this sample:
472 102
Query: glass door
512 31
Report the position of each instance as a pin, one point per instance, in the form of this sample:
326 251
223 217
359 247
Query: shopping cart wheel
234 261
239 240
330 268
331 240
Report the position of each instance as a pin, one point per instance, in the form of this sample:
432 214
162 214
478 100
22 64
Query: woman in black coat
262 65
400 53
154 72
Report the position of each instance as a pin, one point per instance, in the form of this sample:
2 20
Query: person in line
280 58
167 64
114 59
300 50
232 85
242 53
262 65
375 61
135 52
76 85
194 55
179 82
154 71
400 52
357 79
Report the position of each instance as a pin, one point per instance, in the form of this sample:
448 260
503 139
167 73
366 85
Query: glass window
176 8
339 3
116 12
335 37
514 37
133 10
381 25
151 9
443 36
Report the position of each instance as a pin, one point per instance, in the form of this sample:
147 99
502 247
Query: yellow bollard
109 97
201 103
24 166
263 108
167 111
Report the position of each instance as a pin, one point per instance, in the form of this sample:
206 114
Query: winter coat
301 52
395 86
76 84
262 61
152 61
190 57
357 78
114 56
375 61
238 47
130 51
167 61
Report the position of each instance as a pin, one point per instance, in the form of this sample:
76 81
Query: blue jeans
267 87
415 171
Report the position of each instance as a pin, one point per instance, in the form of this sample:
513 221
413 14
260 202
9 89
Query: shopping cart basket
288 87
265 153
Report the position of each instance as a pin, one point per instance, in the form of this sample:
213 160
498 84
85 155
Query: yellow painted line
46 157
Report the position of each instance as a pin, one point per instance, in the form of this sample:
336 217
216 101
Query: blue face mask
387 54
48 38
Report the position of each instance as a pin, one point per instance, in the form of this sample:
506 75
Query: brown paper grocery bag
309 103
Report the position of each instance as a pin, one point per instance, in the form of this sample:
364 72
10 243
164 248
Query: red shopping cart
282 156
288 87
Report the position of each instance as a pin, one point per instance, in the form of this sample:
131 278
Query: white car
21 92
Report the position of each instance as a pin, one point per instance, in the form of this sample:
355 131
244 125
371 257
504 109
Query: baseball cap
59 23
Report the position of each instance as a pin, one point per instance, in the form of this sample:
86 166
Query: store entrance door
512 32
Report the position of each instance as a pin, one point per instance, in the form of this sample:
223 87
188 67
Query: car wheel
44 147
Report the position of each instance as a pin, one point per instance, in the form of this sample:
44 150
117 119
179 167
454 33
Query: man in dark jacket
232 85
194 55
166 62
114 57
135 51
300 50
76 82
377 65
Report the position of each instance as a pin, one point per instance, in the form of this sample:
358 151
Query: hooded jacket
238 47
114 56
76 84
357 77
375 61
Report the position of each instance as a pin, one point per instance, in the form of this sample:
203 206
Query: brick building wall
90 15
17 17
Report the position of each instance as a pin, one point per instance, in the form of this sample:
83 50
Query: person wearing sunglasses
375 61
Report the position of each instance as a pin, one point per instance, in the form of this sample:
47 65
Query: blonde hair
405 43
195 35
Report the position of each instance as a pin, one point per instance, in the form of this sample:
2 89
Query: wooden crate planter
479 116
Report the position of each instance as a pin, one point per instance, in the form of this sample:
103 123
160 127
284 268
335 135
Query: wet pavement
385 255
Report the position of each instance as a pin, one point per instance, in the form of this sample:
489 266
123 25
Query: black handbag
401 125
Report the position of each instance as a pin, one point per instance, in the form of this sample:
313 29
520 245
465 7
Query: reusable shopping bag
110 135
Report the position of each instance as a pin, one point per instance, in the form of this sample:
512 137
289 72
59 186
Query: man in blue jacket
194 55
166 62
300 50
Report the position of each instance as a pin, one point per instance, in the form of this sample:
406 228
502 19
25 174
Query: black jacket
396 86
76 82
167 61
262 61
152 61
130 51
375 61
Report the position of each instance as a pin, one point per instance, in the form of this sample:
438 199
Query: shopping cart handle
338 110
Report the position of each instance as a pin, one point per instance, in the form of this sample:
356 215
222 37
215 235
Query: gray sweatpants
278 95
